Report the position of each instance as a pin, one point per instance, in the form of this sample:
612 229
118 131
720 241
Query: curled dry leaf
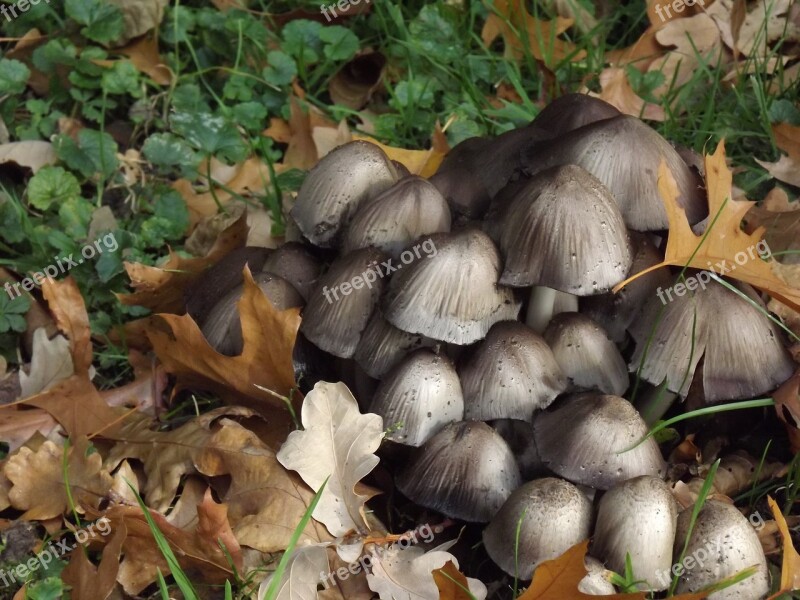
353 84
790 568
32 154
51 362
337 444
301 577
617 91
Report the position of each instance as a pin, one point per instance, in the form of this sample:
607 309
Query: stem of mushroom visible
654 404
545 303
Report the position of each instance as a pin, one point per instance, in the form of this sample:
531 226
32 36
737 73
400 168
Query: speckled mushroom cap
582 438
294 262
466 471
382 345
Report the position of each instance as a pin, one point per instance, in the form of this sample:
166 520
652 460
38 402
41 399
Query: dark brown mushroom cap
382 345
337 185
625 154
343 300
296 264
466 471
551 515
742 350
586 355
452 294
564 231
730 544
511 373
637 517
589 438
458 180
571 111
410 209
418 397
222 328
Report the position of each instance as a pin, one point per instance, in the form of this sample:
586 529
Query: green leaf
281 68
11 223
784 111
74 216
13 76
55 52
250 115
12 309
302 40
94 153
103 21
166 150
52 185
434 35
211 134
172 207
340 43
122 78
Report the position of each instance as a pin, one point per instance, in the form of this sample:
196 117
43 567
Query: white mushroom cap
595 582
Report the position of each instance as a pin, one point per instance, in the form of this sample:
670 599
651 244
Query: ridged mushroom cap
511 373
466 471
295 263
452 295
730 545
552 515
742 350
343 300
519 437
637 517
336 186
583 438
418 397
382 345
408 210
458 178
564 231
571 111
586 355
625 154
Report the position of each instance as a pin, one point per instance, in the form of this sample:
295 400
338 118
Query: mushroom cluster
473 312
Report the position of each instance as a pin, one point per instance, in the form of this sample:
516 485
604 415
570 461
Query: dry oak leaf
511 20
69 311
161 289
140 16
787 169
452 583
17 425
790 569
787 405
38 479
724 241
337 445
781 221
33 154
143 54
51 362
301 577
266 359
88 582
617 91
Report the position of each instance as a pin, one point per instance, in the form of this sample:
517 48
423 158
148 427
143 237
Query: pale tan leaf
51 362
33 154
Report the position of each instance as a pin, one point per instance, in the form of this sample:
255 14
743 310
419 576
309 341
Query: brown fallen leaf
32 154
787 169
95 583
787 406
790 568
640 54
214 530
143 54
355 82
66 304
617 91
452 583
18 425
140 16
724 241
781 222
146 391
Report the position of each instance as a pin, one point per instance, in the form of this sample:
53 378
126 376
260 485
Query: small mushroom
452 295
589 439
638 518
550 516
586 355
418 397
595 582
337 186
466 471
295 263
511 373
382 345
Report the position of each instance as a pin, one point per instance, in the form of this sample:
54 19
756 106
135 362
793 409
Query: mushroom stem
654 403
545 303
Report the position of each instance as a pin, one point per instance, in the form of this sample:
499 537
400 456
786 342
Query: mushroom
564 230
295 263
637 518
337 186
519 437
453 295
595 582
549 515
343 300
572 111
459 180
466 471
382 345
589 439
722 544
511 373
418 397
586 355
409 209
544 303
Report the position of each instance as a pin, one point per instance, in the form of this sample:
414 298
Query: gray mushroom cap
382 345
418 397
637 517
295 263
552 515
466 471
452 294
519 437
625 154
586 355
571 111
727 544
585 438
337 186
511 373
342 302
564 230
742 350
410 209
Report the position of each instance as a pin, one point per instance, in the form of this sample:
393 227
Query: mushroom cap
742 350
729 544
552 515
452 295
466 471
418 397
458 178
584 438
586 355
519 437
564 231
335 317
411 208
511 373
382 345
595 582
637 517
337 185
223 329
625 154
296 264
571 111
